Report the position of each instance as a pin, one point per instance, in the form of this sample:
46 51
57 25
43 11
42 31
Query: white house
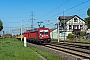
70 24
53 33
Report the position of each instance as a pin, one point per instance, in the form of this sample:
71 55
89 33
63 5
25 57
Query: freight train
38 35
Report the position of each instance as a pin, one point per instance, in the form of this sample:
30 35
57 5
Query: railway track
76 45
79 50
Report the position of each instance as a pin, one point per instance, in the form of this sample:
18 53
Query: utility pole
32 15
64 24
58 26
8 32
21 30
58 31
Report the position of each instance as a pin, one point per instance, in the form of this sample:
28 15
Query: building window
70 27
81 26
75 19
75 26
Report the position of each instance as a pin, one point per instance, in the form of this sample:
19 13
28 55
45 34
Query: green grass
11 49
47 55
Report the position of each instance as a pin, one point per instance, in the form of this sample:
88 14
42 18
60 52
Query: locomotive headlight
41 36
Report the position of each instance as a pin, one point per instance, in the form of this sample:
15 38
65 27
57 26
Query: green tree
88 18
88 12
1 25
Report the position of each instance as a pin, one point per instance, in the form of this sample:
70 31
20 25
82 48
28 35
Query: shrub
70 36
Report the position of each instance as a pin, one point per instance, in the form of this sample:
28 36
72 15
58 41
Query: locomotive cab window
43 32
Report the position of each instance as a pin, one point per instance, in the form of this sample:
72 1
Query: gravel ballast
64 55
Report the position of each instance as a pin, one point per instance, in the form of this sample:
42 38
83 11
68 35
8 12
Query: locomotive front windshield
43 32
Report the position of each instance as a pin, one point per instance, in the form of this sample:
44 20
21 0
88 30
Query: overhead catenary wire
65 10
82 14
69 8
11 22
55 8
78 5
59 7
79 10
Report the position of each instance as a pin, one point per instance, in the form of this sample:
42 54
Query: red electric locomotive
38 35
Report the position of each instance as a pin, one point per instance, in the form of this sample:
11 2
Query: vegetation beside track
74 41
12 49
47 55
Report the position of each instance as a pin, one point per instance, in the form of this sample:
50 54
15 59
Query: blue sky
13 11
